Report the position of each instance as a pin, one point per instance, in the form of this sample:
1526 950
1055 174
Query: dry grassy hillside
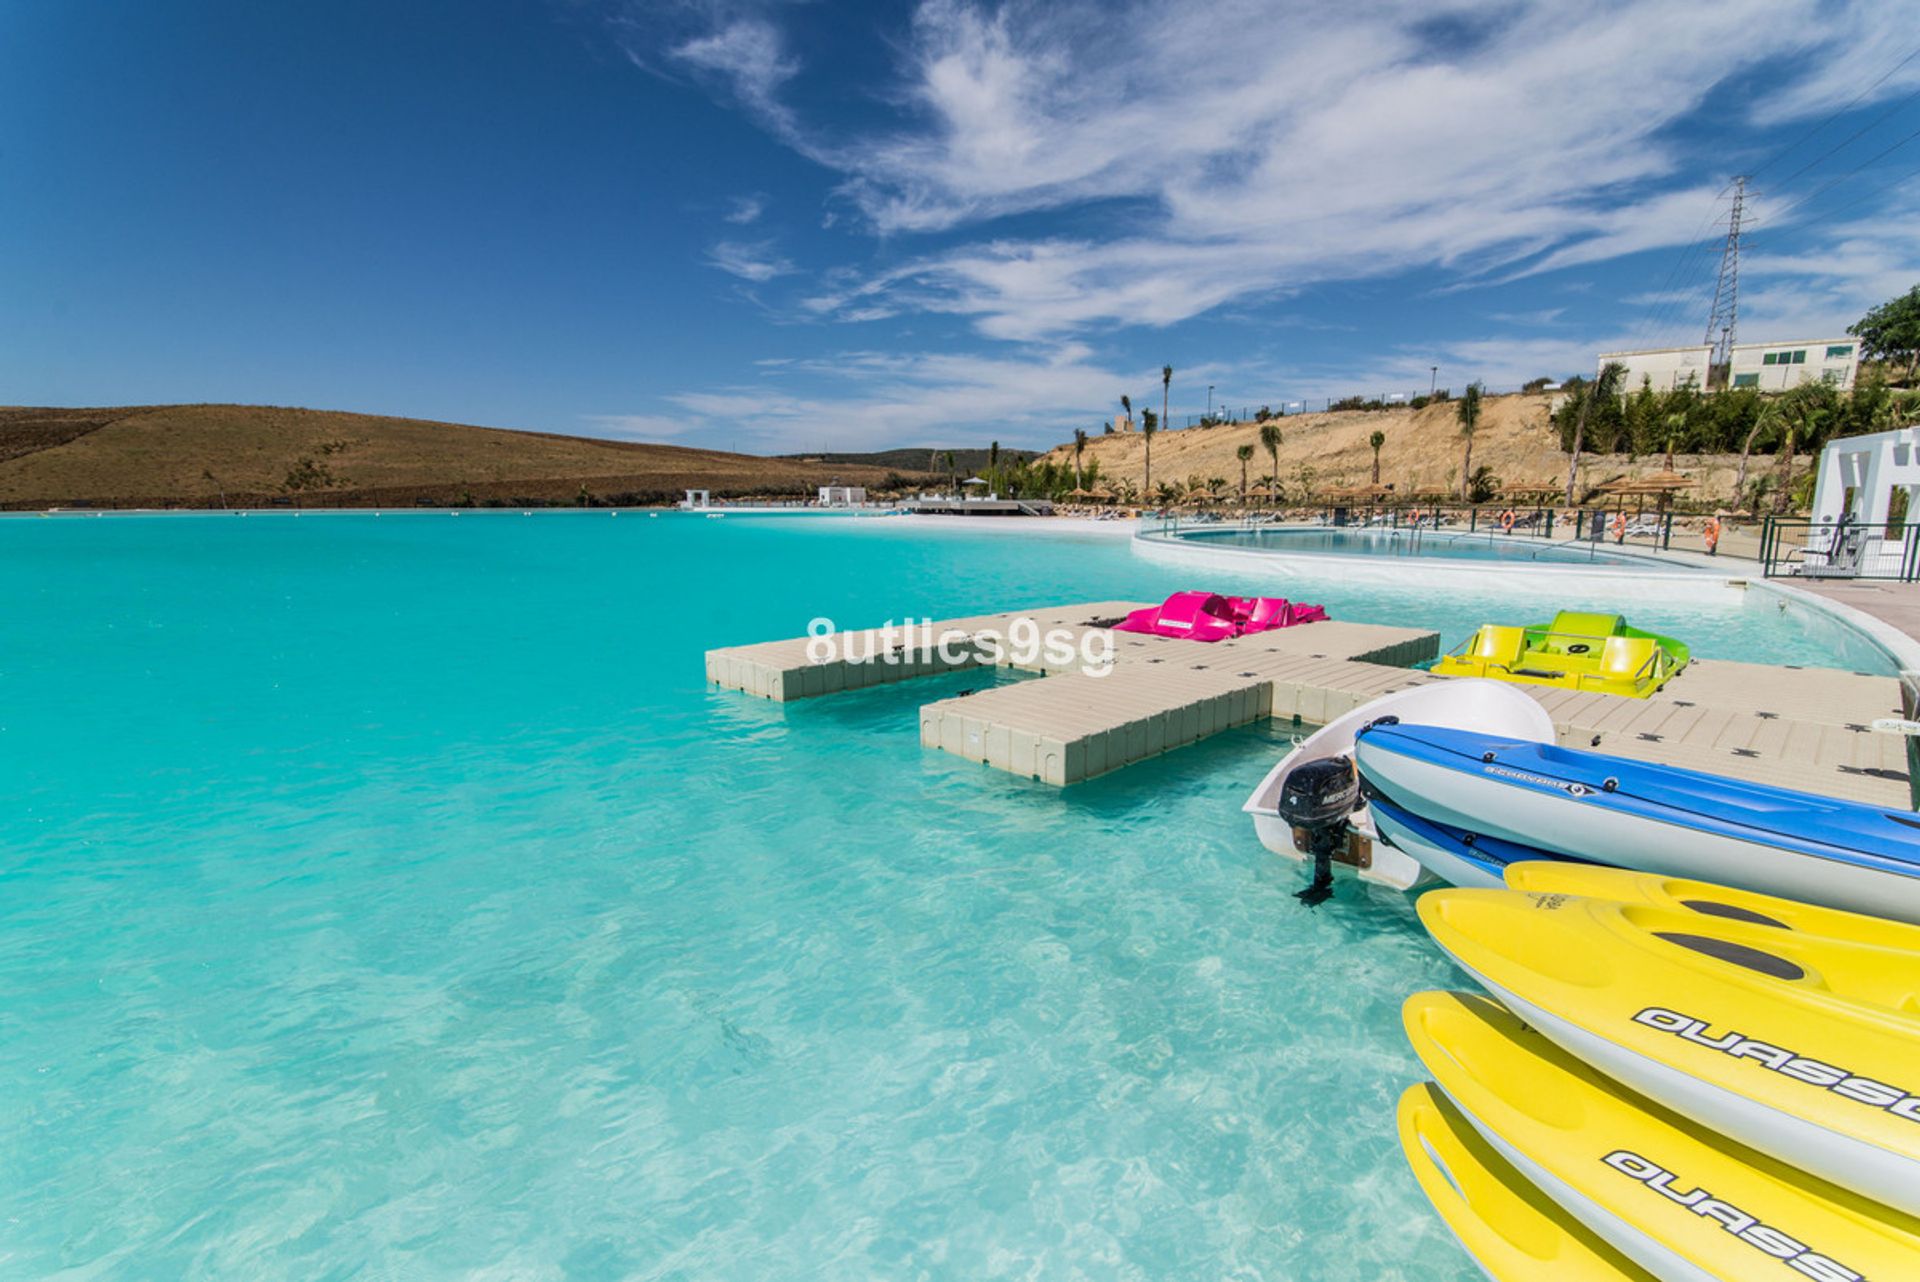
184 455
1422 451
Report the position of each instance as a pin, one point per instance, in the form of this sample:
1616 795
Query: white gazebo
1853 500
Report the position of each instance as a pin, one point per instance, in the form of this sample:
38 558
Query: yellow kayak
1678 894
1577 650
1803 1045
1513 1231
1683 1203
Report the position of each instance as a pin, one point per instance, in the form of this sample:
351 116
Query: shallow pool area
1457 545
390 897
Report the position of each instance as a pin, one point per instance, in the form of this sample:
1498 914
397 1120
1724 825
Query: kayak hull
1511 795
1801 1046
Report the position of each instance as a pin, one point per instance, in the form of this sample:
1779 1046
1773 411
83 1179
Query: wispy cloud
743 210
754 261
1325 141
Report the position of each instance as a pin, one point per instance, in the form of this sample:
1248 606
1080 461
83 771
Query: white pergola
1858 477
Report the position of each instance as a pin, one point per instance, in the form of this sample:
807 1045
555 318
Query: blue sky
787 226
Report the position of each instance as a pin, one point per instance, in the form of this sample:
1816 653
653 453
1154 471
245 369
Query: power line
1688 247
1871 192
1855 101
1779 215
1842 144
1724 320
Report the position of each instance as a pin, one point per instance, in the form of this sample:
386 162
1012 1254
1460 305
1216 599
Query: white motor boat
1327 815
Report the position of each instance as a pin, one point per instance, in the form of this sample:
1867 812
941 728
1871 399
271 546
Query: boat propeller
1315 803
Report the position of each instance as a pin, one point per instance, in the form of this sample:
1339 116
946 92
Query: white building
1767 367
1664 367
1774 367
696 501
842 495
1853 500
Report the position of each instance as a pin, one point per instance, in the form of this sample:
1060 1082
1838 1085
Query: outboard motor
1316 802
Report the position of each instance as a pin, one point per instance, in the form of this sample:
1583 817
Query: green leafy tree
1245 454
1468 413
1079 448
1891 331
1271 439
1377 440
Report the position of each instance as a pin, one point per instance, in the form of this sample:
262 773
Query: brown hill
1515 438
190 455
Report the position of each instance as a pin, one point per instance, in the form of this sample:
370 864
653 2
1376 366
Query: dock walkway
1800 728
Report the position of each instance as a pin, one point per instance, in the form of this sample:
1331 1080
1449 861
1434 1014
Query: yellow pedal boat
1578 650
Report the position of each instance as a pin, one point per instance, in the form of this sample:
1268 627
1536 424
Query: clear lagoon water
1454 545
388 898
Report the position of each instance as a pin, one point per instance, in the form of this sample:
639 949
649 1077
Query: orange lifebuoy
1507 519
1618 526
1711 533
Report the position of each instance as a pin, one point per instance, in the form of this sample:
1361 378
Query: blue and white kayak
1570 804
1454 855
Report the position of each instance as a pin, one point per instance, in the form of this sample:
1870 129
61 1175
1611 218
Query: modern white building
1766 367
696 501
1774 367
1853 501
842 495
1665 368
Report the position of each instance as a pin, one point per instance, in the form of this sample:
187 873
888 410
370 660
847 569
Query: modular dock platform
1805 728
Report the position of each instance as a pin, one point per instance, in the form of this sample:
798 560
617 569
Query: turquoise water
1459 546
387 898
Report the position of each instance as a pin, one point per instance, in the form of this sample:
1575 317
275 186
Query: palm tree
1244 454
1607 384
1469 414
993 468
1762 421
1676 424
1166 385
1378 439
1272 438
1079 448
953 476
1148 426
1126 403
1803 416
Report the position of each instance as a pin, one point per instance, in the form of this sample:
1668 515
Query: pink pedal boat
1208 616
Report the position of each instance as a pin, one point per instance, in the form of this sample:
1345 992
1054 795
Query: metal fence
1802 549
1488 518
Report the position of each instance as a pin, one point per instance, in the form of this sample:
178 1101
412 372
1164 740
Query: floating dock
1804 728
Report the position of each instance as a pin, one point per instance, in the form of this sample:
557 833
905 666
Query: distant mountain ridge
261 455
916 459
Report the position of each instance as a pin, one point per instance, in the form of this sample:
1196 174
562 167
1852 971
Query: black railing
1792 547
1488 518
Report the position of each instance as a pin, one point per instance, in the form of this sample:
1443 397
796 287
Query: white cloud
743 210
1320 140
755 261
872 399
749 54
